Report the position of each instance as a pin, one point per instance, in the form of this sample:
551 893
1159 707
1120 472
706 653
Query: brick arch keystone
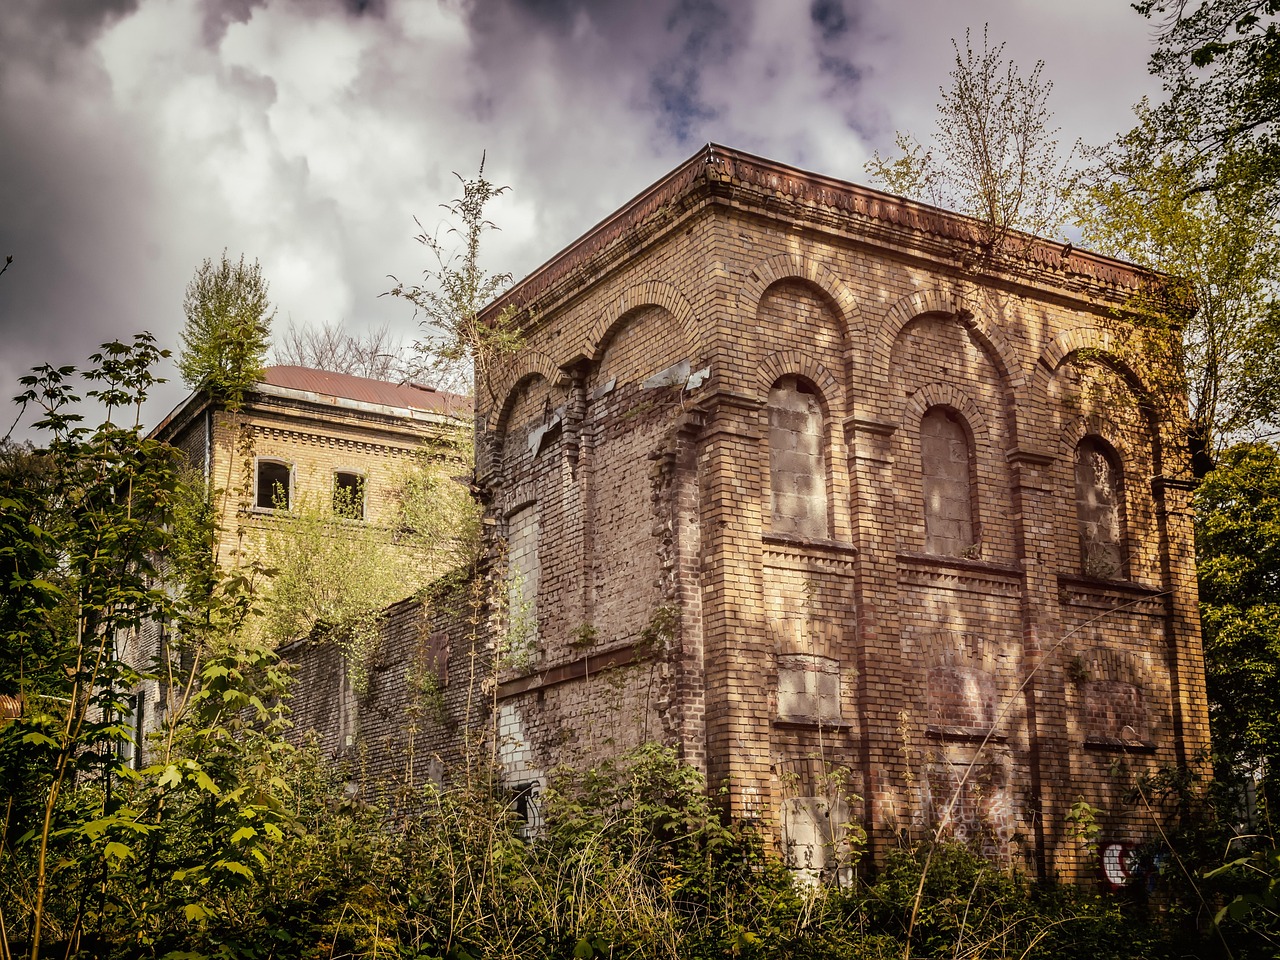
946 395
952 303
651 293
793 362
1079 427
1070 343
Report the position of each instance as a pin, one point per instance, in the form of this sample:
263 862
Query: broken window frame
258 464
350 500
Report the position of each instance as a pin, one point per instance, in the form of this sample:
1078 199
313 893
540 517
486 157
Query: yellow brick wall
654 503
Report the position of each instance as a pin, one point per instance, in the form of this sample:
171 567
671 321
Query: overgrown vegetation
333 576
457 347
229 842
228 325
994 155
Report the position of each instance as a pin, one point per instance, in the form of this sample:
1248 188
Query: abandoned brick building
301 436
869 521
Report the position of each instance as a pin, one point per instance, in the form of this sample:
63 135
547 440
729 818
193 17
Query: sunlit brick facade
861 518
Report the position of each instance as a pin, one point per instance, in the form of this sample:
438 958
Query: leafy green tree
227 330
994 155
457 347
1140 202
1220 62
1238 545
81 555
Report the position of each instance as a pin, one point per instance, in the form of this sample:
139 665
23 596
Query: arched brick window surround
1100 509
949 482
799 459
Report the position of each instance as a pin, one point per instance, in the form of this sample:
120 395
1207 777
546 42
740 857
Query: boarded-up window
815 835
808 688
797 460
1099 509
947 462
522 585
274 485
436 655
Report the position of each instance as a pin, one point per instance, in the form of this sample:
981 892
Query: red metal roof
408 395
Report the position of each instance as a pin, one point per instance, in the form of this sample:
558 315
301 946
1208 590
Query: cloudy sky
138 137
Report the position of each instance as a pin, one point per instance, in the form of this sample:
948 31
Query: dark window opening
348 495
274 485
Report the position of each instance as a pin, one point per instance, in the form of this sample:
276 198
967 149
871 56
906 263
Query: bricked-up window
947 460
348 495
274 485
522 586
797 460
960 700
1099 509
1113 712
808 688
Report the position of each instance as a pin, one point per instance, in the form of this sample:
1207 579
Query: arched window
1100 509
947 462
797 460
273 485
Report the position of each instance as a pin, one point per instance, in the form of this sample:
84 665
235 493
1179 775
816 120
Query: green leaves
224 341
457 343
994 156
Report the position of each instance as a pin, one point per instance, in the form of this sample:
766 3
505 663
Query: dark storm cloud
81 20
707 35
830 17
221 14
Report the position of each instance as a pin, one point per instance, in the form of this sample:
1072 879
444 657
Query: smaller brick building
307 434
301 436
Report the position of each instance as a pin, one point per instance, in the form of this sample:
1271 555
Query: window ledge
957 563
1119 744
964 734
812 723
791 540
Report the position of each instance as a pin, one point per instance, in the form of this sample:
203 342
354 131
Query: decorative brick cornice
720 174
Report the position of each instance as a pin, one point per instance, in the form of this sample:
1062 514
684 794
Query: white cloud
135 143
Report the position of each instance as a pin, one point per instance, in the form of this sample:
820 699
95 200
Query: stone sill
789 540
964 734
811 723
1132 587
1108 744
957 563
